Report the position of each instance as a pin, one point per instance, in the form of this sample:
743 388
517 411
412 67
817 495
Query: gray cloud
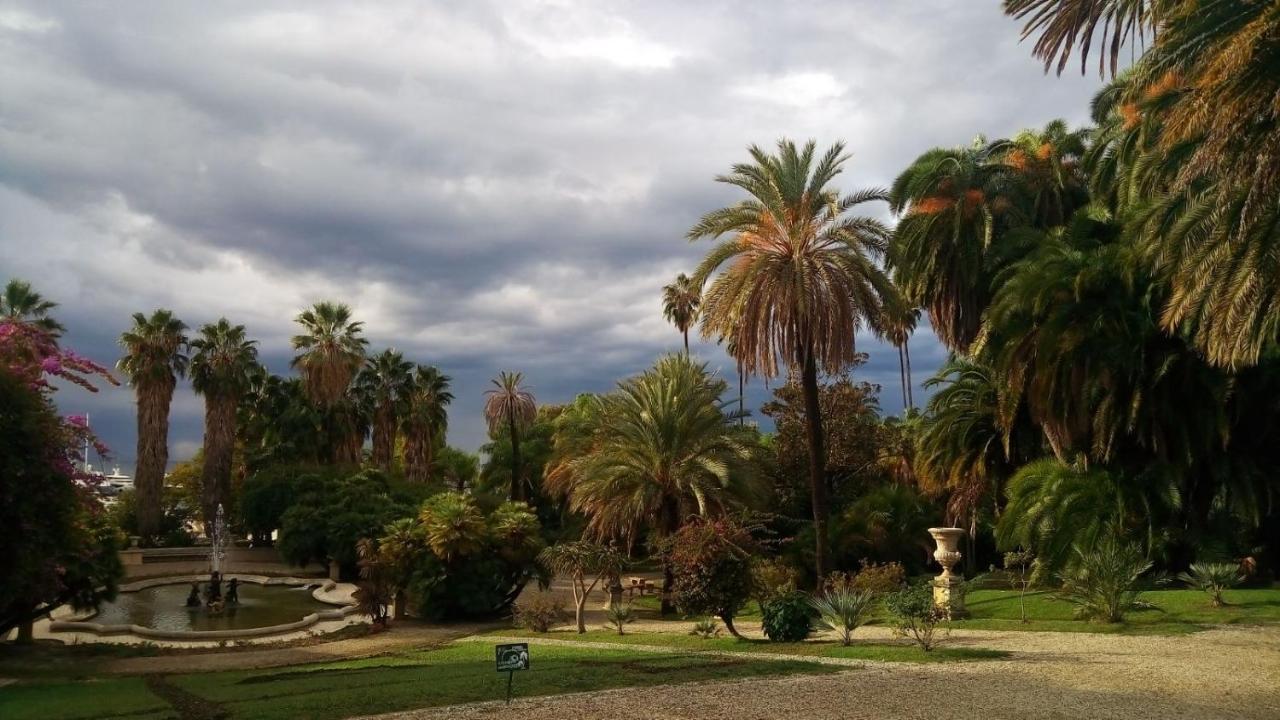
491 185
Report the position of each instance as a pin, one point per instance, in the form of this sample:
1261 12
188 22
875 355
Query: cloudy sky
490 185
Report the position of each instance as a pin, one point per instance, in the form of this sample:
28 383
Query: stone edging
323 594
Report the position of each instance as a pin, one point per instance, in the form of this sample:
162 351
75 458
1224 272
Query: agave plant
844 610
1213 578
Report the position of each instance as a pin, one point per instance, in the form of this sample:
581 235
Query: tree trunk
728 625
670 523
517 487
580 611
219 441
384 436
686 342
400 604
911 398
153 453
902 375
817 462
26 633
742 382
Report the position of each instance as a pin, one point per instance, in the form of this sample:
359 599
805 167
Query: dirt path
1225 673
400 638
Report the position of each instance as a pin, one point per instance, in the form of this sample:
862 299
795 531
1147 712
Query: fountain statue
948 590
218 542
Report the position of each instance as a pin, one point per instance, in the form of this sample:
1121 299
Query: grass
458 673
1174 612
884 652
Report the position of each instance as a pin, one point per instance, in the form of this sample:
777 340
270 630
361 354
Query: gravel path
1224 673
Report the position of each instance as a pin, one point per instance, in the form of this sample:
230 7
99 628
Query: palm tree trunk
817 461
686 342
219 441
902 375
742 381
517 488
911 400
384 437
669 522
153 454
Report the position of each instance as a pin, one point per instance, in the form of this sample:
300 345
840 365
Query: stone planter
948 595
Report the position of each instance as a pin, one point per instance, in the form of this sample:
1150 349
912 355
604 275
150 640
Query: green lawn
1175 611
458 673
887 652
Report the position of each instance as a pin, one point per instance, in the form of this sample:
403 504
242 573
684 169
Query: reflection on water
164 608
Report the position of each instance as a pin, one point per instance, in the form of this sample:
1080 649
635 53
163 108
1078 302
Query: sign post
509 658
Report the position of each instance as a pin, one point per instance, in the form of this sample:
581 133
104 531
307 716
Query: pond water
164 608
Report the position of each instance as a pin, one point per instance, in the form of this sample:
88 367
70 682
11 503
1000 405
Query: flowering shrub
711 563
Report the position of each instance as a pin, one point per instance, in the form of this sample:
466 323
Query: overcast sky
490 185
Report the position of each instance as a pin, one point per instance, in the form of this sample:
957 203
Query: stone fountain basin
155 609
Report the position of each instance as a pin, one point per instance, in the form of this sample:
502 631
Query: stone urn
948 594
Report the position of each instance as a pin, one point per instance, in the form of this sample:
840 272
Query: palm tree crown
680 302
425 419
20 303
383 385
511 407
330 352
155 349
224 359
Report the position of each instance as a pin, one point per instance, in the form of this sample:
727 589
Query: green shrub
174 519
844 610
539 613
1102 581
771 577
706 628
1213 578
787 617
874 578
711 563
914 615
330 515
619 615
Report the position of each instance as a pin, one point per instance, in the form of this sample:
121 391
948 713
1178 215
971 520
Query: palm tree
661 448
899 324
1065 23
509 406
800 278
425 419
330 352
680 302
384 383
20 303
1047 181
155 357
221 370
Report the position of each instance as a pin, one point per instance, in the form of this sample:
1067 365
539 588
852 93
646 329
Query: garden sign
509 658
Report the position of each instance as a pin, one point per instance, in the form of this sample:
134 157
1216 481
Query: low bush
874 578
915 616
706 629
844 611
619 615
539 613
1213 578
1102 582
788 617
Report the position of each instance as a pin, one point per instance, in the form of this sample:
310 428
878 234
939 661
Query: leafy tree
586 564
330 516
662 449
800 277
711 563
459 469
155 357
511 407
221 367
536 442
680 302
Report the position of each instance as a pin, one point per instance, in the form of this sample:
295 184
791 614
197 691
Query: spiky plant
221 370
680 302
844 610
796 279
619 615
511 407
1213 578
1102 580
155 357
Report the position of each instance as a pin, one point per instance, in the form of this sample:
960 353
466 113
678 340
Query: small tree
586 564
1020 562
711 563
619 615
915 615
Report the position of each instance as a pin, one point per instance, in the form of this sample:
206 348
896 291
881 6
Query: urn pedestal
948 595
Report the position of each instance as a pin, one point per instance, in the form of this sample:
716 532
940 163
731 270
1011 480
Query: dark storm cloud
491 185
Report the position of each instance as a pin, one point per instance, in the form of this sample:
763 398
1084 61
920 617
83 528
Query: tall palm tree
511 407
1063 24
384 383
330 351
1045 171
661 448
221 370
20 303
425 419
800 277
155 357
899 324
680 302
